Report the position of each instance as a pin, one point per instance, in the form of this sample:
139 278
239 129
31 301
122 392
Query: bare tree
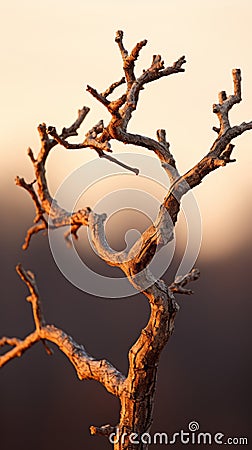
136 389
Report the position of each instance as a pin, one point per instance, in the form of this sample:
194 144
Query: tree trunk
136 418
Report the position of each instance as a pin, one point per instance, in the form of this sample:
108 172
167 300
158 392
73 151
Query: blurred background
50 51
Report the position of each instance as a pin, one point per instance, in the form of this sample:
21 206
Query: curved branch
86 366
96 225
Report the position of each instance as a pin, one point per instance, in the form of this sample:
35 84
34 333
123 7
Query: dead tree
136 389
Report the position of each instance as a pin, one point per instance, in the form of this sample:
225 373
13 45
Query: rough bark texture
136 390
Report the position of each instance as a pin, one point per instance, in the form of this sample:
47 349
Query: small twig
157 70
96 130
31 155
29 279
98 96
119 41
112 107
226 154
72 130
30 189
113 87
178 285
119 163
88 143
13 342
226 103
33 230
129 60
105 430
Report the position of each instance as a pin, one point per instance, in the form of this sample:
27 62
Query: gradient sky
52 49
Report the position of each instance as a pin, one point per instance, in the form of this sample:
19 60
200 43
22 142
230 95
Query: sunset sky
52 49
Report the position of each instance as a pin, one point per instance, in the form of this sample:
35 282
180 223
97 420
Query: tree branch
86 366
218 156
72 130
